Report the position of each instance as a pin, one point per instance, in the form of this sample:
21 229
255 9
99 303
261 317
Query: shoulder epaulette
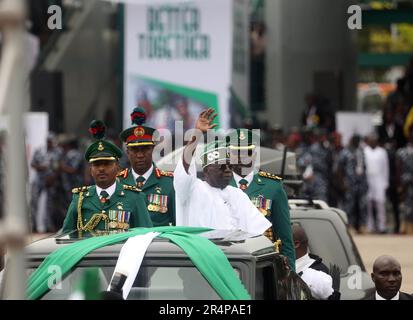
124 173
269 175
80 189
131 188
161 173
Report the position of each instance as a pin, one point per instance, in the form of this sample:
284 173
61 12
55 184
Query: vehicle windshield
152 283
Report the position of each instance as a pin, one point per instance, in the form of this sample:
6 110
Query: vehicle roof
160 247
322 213
316 213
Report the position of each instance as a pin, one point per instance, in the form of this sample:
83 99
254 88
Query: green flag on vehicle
205 255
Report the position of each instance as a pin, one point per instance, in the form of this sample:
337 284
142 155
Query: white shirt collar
146 175
248 177
379 297
110 190
303 263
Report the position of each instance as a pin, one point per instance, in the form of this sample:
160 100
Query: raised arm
203 123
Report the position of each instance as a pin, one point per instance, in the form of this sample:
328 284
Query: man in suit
155 183
324 285
264 189
108 205
387 278
390 132
391 137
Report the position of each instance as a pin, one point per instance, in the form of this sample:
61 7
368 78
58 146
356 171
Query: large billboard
179 59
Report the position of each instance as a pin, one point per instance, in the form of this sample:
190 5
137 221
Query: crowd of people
231 195
359 178
369 177
58 168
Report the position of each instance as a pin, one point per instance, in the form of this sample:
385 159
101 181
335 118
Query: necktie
243 184
104 196
139 181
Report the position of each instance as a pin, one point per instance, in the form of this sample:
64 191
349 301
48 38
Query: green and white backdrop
180 57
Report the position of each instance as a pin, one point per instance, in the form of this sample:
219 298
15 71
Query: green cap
101 149
215 152
242 139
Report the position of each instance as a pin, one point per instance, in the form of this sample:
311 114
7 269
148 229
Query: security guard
264 189
155 183
404 158
108 205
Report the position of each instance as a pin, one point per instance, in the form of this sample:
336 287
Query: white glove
320 283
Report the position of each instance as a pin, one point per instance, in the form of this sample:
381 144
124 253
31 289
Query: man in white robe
213 203
377 170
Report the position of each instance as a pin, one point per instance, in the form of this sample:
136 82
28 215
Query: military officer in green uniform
264 189
155 183
108 205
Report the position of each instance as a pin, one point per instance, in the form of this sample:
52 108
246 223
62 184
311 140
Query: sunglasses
221 167
242 153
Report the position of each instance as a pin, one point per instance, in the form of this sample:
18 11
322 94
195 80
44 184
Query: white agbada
377 170
200 205
320 283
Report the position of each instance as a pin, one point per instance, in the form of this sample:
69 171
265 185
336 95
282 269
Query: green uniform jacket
160 194
123 200
270 188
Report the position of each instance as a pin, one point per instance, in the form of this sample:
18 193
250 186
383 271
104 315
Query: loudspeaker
46 91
